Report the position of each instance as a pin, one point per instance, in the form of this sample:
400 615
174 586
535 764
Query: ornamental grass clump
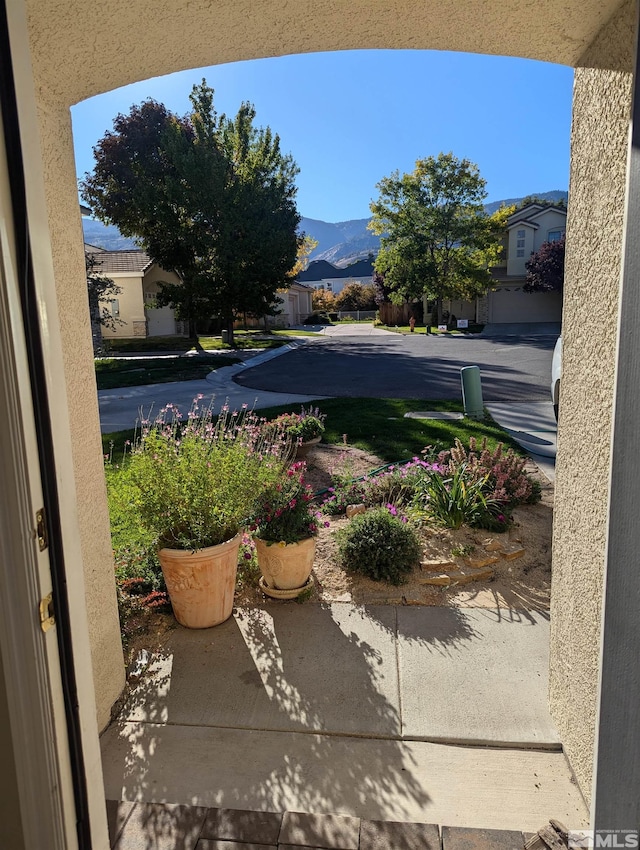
379 544
286 514
457 499
197 483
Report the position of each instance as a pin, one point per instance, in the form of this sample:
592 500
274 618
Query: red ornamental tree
545 268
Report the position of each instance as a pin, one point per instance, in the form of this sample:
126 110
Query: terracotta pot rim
185 553
277 543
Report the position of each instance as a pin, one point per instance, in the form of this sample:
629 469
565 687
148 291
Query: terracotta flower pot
304 448
201 584
286 567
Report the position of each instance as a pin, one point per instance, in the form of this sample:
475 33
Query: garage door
161 322
513 304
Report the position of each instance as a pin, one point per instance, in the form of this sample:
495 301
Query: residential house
507 301
296 306
323 275
527 229
134 308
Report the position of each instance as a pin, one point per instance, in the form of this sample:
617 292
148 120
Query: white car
556 374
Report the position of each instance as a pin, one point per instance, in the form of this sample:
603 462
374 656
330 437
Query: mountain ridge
339 243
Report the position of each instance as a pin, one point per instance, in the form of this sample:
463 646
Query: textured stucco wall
130 303
599 143
85 48
71 289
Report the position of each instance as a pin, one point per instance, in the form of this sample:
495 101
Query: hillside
341 244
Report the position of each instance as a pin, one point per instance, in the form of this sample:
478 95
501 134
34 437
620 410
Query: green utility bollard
472 392
225 336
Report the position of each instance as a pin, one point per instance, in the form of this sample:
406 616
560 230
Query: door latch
41 529
47 615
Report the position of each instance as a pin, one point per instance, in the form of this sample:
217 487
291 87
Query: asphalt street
396 366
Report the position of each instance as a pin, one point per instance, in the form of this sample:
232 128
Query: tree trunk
193 334
232 341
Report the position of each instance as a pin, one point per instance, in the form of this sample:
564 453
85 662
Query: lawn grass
119 372
376 425
244 339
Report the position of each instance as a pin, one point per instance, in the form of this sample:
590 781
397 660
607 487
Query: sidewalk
120 407
432 715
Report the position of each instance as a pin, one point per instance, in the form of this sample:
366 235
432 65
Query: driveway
386 365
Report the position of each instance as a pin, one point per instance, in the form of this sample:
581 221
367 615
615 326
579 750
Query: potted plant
196 484
304 429
285 535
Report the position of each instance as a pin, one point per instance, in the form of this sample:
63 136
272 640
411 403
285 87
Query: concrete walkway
121 407
434 715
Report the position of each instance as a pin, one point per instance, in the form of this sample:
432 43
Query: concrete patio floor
433 715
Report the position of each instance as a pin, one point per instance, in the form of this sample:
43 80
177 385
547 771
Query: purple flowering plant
196 482
286 513
301 427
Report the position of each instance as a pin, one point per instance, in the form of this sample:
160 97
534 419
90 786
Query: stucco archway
79 50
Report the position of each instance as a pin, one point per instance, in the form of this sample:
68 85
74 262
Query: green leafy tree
355 296
209 197
436 236
323 301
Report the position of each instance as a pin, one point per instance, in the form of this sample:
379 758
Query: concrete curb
227 373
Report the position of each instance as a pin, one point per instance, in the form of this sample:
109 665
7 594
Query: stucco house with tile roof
138 278
527 229
506 301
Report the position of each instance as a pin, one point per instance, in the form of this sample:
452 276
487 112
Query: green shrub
317 319
197 484
380 545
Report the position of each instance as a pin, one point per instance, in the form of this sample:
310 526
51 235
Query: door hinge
47 616
41 529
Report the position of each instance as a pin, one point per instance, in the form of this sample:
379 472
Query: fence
358 315
399 314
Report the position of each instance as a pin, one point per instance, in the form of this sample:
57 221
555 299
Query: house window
520 234
520 252
520 243
555 235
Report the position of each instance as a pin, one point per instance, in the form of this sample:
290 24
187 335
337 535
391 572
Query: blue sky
351 118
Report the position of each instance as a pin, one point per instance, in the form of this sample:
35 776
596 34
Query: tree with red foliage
545 268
